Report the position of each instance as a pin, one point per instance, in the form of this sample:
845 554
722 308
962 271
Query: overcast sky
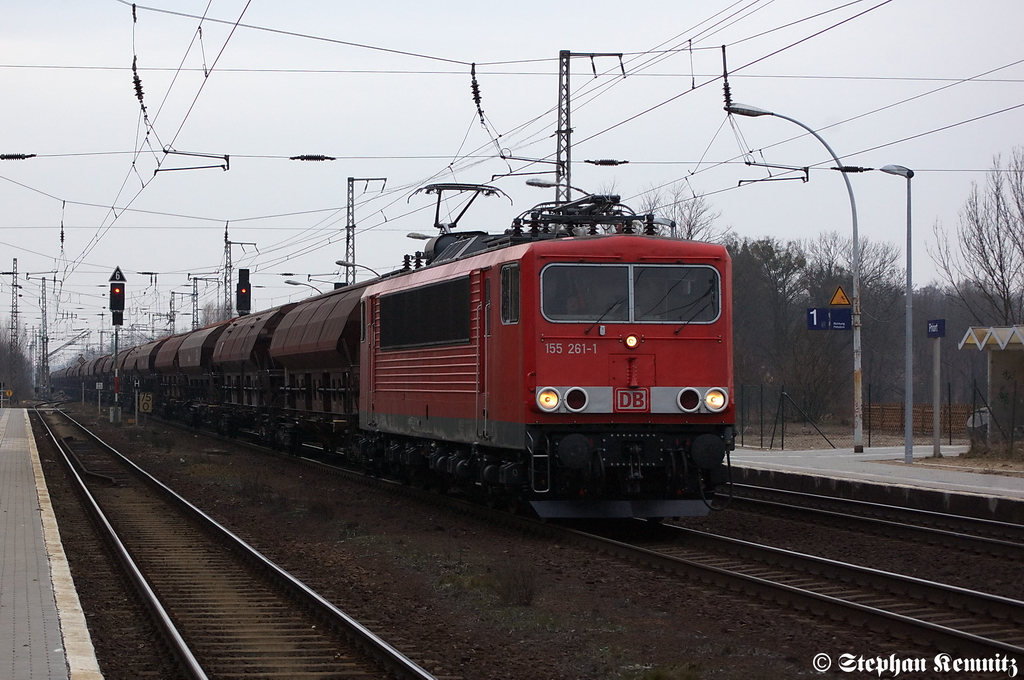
385 88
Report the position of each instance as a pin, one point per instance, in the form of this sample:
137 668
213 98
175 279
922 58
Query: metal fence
768 417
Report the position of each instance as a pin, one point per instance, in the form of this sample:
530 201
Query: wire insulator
476 94
16 156
312 157
649 229
137 81
725 82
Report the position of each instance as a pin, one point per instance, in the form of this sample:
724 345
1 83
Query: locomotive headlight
576 399
547 399
688 399
715 399
632 341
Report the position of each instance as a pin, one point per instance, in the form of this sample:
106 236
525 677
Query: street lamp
291 282
542 183
346 263
858 399
908 416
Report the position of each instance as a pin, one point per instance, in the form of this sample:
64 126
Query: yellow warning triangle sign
840 299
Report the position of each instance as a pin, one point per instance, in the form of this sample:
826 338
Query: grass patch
687 670
997 452
254 492
515 582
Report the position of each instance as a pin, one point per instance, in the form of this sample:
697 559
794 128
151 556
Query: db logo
632 400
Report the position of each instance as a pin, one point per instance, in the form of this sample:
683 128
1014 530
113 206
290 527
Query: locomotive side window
438 314
510 294
596 292
630 293
675 294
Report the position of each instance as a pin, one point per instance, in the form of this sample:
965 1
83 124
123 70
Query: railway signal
117 282
243 293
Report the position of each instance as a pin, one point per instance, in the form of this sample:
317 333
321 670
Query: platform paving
880 475
43 633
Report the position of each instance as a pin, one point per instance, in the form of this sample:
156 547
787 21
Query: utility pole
350 224
15 345
42 364
32 359
173 315
563 159
195 304
228 271
195 297
44 354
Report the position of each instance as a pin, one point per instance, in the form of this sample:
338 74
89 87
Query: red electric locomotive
576 363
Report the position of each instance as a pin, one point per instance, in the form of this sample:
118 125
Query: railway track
224 609
944 617
981 536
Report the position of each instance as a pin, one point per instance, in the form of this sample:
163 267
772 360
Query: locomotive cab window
586 292
634 293
675 294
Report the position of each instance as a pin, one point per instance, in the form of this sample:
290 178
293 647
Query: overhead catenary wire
295 34
466 157
103 230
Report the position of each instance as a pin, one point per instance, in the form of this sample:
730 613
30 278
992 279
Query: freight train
577 364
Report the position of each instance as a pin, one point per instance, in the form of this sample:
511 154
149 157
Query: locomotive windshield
630 293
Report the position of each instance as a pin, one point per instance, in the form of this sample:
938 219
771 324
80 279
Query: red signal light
116 297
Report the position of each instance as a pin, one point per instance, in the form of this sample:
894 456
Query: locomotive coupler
634 453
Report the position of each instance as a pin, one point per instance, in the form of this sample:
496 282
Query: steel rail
840 573
932 535
180 649
801 598
389 658
1005 533
998 607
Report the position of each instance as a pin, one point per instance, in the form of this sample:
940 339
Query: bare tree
773 285
15 368
213 312
693 216
986 262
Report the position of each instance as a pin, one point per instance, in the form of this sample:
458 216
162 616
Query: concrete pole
936 396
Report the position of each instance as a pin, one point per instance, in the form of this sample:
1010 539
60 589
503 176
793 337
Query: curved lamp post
291 282
908 389
346 263
858 399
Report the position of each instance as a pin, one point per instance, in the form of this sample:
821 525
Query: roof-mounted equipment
439 189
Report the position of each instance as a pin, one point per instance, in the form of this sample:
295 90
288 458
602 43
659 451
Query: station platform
880 475
43 632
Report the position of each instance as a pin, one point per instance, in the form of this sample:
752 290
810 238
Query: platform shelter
1005 347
